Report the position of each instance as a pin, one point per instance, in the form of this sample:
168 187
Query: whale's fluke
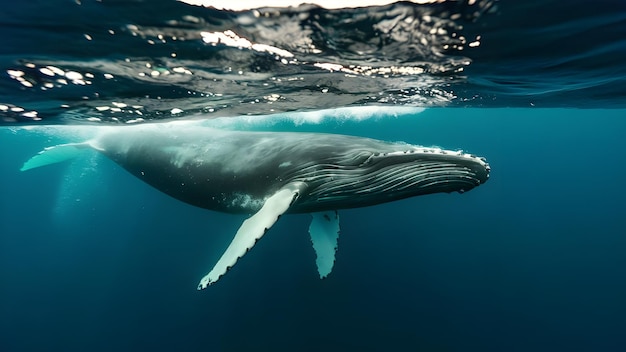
253 229
324 231
55 154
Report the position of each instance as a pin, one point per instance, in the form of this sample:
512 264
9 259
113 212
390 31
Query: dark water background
92 259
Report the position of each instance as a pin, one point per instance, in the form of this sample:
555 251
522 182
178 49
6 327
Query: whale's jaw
385 177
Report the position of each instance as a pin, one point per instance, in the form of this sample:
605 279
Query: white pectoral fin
252 230
55 154
324 231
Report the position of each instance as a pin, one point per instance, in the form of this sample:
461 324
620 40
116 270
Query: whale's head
364 177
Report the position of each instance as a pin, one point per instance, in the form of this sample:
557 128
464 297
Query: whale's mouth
371 178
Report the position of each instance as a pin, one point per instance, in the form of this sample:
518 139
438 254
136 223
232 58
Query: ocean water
92 259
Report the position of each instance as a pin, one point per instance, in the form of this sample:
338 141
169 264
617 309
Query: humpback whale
268 174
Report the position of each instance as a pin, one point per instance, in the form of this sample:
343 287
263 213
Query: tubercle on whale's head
371 178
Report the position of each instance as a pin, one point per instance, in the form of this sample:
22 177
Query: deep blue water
92 259
532 260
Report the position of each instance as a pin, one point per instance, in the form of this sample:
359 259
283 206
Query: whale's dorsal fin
324 231
253 229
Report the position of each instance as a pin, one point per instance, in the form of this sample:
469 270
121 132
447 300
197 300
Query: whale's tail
55 154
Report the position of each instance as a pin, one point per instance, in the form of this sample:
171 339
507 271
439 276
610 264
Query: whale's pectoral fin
253 229
55 154
324 231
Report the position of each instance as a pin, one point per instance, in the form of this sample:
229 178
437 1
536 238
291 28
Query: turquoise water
93 259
